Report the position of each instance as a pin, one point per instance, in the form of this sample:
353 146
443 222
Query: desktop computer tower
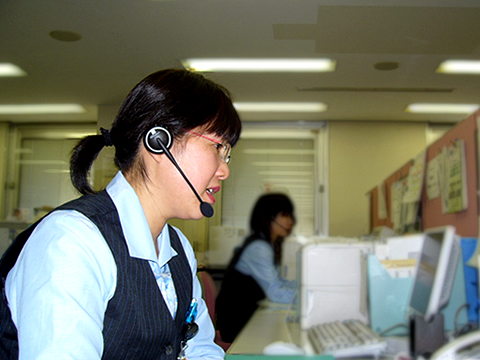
333 282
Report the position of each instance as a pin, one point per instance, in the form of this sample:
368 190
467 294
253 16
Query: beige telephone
464 347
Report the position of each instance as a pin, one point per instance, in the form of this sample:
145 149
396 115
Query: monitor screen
435 272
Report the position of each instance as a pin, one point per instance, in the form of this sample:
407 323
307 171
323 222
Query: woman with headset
105 276
253 273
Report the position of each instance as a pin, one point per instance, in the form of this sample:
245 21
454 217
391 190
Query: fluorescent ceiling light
280 106
260 65
42 109
285 173
459 67
285 180
278 151
43 162
442 108
282 164
7 69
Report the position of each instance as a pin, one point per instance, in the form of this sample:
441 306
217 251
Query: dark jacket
137 323
238 297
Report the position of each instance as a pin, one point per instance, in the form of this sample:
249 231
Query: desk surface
266 326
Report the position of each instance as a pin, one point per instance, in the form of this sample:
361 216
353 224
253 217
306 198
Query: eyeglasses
223 149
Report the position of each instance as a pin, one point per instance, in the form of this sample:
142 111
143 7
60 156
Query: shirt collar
134 223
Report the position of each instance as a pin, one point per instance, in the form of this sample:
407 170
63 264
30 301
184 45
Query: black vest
138 324
237 300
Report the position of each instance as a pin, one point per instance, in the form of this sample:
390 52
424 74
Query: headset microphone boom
158 140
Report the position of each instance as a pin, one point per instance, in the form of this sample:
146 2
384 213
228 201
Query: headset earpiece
158 140
156 134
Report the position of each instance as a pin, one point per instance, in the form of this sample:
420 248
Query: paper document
415 179
457 180
433 179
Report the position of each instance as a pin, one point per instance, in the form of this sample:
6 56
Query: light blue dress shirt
258 261
64 277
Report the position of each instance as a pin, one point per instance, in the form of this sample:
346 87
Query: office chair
210 292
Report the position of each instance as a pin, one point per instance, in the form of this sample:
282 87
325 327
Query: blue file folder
388 300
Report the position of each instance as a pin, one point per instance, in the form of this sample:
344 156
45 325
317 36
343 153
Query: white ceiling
125 40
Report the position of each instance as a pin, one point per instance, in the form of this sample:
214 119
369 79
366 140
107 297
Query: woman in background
105 276
253 273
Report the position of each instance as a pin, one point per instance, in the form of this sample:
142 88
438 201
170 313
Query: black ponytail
179 100
81 160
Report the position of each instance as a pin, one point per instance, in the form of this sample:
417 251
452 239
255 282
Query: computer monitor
435 272
289 261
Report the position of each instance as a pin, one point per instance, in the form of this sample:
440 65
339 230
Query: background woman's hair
179 100
266 208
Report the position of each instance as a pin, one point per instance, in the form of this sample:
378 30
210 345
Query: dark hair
179 100
266 208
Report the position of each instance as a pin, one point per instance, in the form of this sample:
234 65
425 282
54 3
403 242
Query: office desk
9 231
267 325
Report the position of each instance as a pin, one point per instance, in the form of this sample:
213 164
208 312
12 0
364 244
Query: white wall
361 156
3 169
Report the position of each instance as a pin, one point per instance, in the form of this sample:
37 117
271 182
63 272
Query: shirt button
169 349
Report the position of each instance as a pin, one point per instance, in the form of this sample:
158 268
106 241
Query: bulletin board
465 221
398 175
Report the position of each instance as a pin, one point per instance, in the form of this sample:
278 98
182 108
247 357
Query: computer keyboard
346 339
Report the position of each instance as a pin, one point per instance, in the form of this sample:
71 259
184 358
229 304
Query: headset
158 140
273 217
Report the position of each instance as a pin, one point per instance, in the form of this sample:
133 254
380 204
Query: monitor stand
426 337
